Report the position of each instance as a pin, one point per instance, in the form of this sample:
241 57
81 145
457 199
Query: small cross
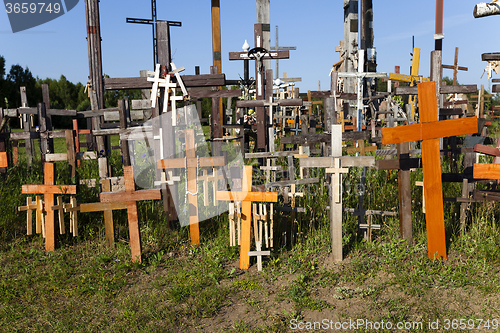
49 189
259 253
37 205
131 196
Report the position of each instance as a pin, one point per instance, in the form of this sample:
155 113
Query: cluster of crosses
248 203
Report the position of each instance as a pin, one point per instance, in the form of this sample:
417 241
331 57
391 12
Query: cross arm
130 196
176 163
280 102
488 150
460 89
431 130
247 196
269 55
328 162
49 189
486 171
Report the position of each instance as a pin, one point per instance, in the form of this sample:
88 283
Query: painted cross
429 131
336 163
360 76
49 189
131 196
413 78
246 196
191 163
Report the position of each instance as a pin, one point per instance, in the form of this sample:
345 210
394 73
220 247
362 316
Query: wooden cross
49 189
455 67
361 149
259 53
334 164
368 228
258 228
429 132
413 78
246 196
131 196
191 163
259 253
279 48
37 205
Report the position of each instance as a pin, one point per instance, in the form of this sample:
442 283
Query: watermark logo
25 15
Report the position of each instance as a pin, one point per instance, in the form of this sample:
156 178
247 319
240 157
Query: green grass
85 286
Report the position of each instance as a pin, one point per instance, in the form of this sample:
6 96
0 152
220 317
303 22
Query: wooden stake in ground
191 163
246 196
131 196
49 189
429 132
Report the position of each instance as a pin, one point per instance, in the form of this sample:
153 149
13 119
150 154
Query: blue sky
314 27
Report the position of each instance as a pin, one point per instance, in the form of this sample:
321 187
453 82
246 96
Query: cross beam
429 132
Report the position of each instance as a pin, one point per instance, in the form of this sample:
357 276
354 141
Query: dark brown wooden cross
49 189
429 131
131 196
191 163
455 67
259 53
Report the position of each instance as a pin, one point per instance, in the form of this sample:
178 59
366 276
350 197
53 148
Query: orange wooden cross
131 196
246 196
191 163
3 160
49 189
429 131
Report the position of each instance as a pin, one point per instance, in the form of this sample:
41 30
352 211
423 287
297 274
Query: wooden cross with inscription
246 196
131 196
49 189
429 131
191 163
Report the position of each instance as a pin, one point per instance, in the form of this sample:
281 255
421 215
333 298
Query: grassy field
84 286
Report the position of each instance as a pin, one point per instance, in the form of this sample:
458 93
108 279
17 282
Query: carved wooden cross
131 196
429 132
191 163
49 189
246 196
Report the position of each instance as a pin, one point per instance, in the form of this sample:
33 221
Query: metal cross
153 21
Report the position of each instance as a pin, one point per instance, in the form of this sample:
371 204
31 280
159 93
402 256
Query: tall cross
49 189
153 22
246 196
191 163
279 48
259 53
335 165
360 76
429 131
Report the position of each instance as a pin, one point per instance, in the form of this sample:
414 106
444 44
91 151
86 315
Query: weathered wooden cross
429 131
191 163
49 189
335 165
131 196
246 196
